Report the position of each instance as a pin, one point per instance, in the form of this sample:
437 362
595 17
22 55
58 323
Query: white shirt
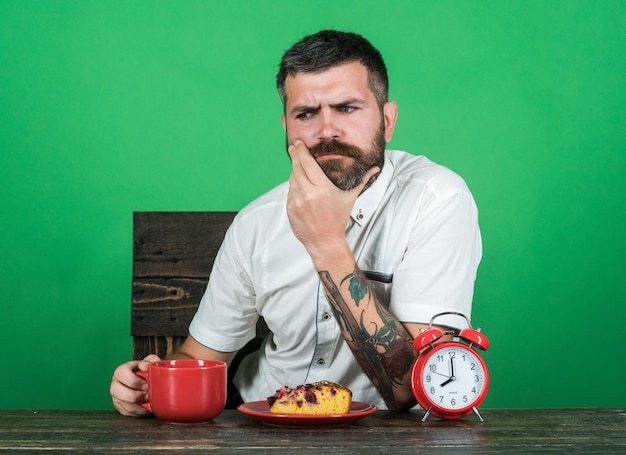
416 225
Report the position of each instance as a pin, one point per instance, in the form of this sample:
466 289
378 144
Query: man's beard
348 174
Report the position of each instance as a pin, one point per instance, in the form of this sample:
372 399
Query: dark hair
330 48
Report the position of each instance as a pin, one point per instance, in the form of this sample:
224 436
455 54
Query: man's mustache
335 147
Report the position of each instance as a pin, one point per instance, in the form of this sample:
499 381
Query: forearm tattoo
379 342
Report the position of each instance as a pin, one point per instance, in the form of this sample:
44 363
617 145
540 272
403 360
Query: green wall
107 107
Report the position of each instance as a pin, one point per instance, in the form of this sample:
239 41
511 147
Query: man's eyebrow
304 108
300 108
348 102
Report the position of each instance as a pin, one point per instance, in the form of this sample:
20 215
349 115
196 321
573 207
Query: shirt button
321 362
326 316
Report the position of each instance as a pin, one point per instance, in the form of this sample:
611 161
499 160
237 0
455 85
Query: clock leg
427 414
478 414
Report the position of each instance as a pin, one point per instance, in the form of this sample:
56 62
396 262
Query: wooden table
597 431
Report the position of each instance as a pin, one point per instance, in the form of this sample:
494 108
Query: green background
109 107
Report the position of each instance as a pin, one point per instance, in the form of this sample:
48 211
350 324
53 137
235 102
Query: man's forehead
342 78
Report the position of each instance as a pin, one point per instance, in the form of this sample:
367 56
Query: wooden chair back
173 253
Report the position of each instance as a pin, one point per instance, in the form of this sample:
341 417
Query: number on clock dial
453 377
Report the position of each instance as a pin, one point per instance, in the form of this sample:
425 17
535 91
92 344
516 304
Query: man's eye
303 115
346 109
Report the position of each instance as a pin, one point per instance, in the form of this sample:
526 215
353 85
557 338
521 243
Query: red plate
260 410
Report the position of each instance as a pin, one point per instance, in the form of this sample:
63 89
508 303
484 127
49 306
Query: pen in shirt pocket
378 276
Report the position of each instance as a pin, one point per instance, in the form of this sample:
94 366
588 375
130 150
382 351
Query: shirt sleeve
226 317
438 270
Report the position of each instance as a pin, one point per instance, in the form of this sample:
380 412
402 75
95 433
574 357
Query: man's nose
328 127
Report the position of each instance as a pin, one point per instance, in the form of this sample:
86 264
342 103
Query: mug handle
146 404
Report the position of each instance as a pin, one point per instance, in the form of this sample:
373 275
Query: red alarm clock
450 379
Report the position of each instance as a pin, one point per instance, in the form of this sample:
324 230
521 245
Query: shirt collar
367 203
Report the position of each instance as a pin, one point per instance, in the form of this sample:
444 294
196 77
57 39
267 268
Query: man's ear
390 116
282 119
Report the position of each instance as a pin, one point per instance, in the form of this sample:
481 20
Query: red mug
185 391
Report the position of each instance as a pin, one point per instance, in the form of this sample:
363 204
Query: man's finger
303 162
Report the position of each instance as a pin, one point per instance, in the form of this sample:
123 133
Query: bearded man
346 261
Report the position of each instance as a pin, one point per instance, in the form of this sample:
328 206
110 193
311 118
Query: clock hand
451 378
441 374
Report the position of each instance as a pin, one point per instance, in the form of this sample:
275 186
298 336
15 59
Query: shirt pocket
380 284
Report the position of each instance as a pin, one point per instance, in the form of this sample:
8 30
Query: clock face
453 377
